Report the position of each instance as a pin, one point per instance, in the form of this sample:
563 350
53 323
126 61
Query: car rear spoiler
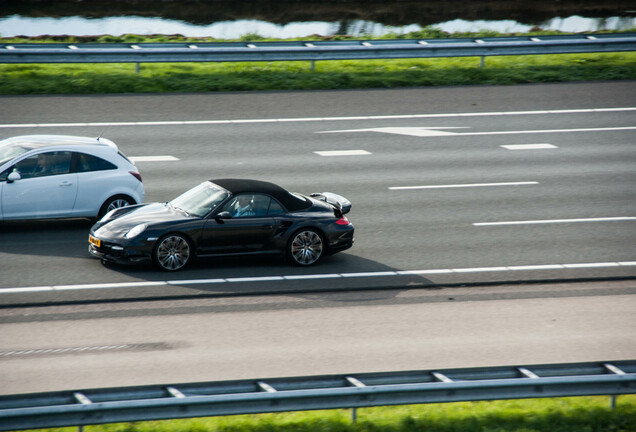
338 201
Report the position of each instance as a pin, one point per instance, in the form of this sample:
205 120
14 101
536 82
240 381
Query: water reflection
78 26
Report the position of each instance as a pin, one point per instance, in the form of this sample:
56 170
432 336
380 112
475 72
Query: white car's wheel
113 203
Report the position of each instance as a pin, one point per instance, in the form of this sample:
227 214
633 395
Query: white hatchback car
58 176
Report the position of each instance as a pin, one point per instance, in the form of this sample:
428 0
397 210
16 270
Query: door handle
266 227
66 183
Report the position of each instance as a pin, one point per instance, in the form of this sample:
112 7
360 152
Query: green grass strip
24 79
580 414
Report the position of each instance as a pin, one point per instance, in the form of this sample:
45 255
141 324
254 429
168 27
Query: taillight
343 221
136 175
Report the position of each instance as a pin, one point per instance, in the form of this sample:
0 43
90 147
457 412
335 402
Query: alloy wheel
306 247
172 253
117 203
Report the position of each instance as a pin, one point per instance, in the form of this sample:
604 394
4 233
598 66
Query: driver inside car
243 206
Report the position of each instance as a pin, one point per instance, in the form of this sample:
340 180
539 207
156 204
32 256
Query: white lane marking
324 276
195 281
255 279
520 132
316 276
421 272
320 119
67 350
368 274
481 269
107 285
26 289
464 185
595 265
536 267
152 158
549 221
529 146
343 153
458 134
412 131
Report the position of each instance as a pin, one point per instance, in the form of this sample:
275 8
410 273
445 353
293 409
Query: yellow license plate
96 242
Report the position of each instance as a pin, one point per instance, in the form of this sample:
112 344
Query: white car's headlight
135 231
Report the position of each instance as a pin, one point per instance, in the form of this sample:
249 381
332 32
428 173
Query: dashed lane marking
343 153
282 278
153 158
83 349
556 221
543 146
469 185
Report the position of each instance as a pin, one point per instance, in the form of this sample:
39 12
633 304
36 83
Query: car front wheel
172 252
305 247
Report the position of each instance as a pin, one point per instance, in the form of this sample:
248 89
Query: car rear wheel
306 247
113 203
172 252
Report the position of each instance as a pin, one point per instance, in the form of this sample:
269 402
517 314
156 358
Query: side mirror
223 215
13 177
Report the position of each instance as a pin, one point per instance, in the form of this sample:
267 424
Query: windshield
10 150
200 200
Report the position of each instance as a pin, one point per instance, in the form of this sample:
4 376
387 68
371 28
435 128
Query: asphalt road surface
450 187
168 342
438 195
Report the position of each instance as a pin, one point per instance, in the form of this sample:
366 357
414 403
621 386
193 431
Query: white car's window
125 157
5 174
200 200
86 162
44 164
9 151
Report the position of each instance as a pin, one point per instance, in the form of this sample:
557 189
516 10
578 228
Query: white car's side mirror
13 177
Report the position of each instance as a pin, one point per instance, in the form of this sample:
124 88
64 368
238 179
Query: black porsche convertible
225 217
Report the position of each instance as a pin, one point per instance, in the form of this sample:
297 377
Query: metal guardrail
157 402
313 51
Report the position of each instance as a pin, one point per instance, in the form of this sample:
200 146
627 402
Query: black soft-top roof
290 201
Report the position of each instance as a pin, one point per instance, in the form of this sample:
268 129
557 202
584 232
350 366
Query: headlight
135 231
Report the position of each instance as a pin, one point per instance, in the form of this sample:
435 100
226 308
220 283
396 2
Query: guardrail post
313 65
81 398
615 370
136 67
266 387
356 383
481 62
